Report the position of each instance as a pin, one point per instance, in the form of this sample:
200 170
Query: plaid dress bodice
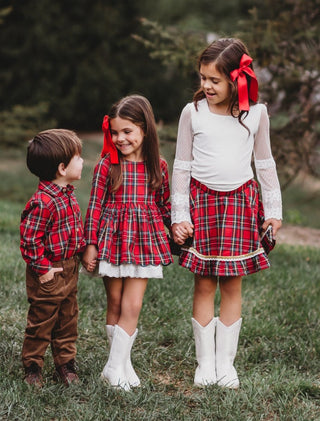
128 225
134 189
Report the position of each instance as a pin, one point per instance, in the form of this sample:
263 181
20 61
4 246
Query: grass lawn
277 361
279 348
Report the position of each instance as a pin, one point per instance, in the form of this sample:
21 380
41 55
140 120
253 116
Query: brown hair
226 54
50 148
138 110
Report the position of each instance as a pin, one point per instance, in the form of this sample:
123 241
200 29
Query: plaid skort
226 240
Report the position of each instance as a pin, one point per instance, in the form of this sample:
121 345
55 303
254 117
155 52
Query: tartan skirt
226 240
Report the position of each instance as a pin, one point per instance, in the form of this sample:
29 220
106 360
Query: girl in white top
216 201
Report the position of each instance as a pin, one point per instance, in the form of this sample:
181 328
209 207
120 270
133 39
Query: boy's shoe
66 373
33 375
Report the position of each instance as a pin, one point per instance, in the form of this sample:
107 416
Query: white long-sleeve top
217 151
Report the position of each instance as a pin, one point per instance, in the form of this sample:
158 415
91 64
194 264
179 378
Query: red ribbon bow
108 145
242 83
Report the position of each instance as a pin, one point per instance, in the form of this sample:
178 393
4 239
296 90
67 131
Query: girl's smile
216 88
128 138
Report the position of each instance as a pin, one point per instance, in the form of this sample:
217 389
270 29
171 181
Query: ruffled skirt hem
223 266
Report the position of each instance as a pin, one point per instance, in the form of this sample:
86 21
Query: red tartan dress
226 239
127 226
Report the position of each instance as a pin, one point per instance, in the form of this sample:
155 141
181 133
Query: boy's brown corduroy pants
52 316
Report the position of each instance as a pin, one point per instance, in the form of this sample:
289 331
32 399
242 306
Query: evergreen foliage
285 39
80 57
67 54
21 123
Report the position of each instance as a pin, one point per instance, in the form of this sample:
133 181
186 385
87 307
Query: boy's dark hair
50 148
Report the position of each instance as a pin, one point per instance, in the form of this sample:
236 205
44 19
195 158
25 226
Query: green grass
277 361
279 346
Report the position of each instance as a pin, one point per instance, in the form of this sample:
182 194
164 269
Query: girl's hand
91 265
89 257
49 275
182 231
276 225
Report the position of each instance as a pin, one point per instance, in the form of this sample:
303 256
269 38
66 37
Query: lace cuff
180 208
272 204
270 187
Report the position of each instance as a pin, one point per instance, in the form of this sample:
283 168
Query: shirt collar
53 189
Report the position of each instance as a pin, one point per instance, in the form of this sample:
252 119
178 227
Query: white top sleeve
266 169
182 169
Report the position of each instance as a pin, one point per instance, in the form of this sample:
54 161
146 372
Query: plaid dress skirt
226 240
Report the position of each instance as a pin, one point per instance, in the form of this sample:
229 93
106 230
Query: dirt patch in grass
296 235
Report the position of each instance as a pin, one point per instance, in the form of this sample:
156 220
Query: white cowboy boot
132 377
114 370
226 349
205 374
109 332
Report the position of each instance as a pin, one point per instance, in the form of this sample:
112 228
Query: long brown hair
226 54
138 110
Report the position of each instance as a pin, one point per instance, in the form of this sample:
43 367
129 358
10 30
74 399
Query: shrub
22 123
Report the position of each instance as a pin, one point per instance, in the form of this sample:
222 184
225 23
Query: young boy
51 233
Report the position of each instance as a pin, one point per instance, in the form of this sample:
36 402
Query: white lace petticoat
129 270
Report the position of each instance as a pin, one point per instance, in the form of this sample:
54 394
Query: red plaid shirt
51 227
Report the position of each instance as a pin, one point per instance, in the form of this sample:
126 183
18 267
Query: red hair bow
242 83
108 145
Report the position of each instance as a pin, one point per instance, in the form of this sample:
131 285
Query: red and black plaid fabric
226 239
266 238
128 225
51 227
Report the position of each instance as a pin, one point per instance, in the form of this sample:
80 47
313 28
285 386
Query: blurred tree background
79 56
64 63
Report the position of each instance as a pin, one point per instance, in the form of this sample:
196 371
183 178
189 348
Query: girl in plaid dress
215 200
128 208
